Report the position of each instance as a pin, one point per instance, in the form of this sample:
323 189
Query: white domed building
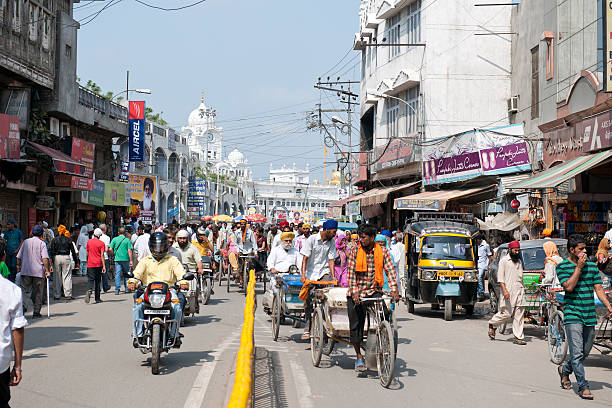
202 134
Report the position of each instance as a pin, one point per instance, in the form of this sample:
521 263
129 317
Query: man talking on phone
579 278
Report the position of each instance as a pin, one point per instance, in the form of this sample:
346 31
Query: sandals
566 384
520 342
585 394
306 336
491 332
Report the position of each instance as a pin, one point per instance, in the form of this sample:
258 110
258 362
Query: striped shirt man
579 303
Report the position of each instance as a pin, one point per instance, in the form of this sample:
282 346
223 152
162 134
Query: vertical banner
124 176
607 44
137 130
9 137
85 152
143 190
196 198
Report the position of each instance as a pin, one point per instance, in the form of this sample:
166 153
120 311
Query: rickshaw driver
367 265
282 258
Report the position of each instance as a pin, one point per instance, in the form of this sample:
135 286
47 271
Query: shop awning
501 222
556 175
379 195
436 200
62 163
341 203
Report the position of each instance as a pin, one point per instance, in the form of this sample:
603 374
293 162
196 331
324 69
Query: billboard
136 131
143 192
114 193
9 137
74 182
397 154
196 197
84 152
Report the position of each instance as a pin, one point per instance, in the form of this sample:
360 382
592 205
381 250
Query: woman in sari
550 263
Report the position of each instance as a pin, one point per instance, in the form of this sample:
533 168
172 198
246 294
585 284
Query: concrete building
289 193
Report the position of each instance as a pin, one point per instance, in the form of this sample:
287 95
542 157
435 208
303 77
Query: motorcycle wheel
155 349
206 289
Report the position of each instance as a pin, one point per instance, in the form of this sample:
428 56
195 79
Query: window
293 203
412 110
393 35
363 58
16 15
2 2
535 82
68 51
550 54
414 22
33 23
392 117
46 31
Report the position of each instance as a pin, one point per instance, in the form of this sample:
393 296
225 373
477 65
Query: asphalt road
83 357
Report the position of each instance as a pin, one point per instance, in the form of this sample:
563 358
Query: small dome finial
202 96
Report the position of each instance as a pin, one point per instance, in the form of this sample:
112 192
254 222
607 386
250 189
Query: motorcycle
191 299
206 279
157 301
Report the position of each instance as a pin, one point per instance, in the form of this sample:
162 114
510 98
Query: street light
381 95
141 91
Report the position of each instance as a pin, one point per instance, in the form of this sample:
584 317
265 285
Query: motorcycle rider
246 244
157 267
171 234
190 256
202 243
282 258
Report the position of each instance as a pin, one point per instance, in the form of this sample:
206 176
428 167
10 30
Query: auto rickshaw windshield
446 247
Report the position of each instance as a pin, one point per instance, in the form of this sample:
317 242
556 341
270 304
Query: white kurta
511 274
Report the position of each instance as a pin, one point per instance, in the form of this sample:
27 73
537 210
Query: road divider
243 383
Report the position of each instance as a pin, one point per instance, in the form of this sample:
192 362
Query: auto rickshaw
442 261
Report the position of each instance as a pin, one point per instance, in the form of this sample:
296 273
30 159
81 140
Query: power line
169 9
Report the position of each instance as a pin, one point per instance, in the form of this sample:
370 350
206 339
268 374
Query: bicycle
245 270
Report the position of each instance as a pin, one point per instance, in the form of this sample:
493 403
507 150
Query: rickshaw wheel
448 309
410 306
557 340
317 338
385 360
275 318
329 346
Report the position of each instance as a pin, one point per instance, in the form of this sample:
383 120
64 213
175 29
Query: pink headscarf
339 244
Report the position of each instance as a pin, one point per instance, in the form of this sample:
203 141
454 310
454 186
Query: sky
257 62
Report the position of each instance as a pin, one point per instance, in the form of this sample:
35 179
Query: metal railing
242 392
102 105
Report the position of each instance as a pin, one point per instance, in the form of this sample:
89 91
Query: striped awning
556 175
379 195
436 200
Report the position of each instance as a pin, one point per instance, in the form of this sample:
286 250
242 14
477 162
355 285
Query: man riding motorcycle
202 243
157 267
246 244
190 257
282 258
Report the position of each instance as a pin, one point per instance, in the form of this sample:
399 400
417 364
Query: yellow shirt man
169 270
203 248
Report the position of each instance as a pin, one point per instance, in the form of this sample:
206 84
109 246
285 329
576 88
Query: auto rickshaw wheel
448 309
469 310
435 306
410 306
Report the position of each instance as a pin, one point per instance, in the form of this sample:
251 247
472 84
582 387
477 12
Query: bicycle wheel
557 340
385 355
317 336
276 317
228 274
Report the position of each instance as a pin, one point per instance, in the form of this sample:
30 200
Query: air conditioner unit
54 126
513 104
65 130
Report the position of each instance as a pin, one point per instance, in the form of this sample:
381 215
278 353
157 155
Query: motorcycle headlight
156 300
206 265
293 269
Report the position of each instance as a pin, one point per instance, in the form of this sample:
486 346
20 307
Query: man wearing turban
282 258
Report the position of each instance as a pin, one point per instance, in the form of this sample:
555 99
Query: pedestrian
121 247
47 233
262 248
141 246
271 235
398 252
14 238
4 270
484 259
300 239
61 251
34 266
512 301
579 278
12 323
550 264
367 266
81 243
138 231
105 277
95 265
341 261
319 253
603 262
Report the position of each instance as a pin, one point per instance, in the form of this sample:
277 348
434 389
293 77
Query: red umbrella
206 218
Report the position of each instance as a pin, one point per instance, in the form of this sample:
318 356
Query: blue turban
330 225
381 238
386 233
37 231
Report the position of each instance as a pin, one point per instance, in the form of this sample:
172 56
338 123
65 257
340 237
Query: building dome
336 178
199 116
235 157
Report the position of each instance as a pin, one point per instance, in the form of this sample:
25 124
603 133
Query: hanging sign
137 131
9 137
607 41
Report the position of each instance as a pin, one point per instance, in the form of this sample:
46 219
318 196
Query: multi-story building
289 193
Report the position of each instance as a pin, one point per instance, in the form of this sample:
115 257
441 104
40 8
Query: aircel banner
137 130
476 153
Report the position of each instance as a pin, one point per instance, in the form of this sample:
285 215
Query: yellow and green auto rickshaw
442 261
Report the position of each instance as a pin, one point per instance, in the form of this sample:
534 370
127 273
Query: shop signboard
417 204
84 152
196 197
124 176
607 43
173 212
561 145
95 197
136 131
9 137
353 208
143 191
359 169
595 132
114 193
397 154
74 182
171 140
475 153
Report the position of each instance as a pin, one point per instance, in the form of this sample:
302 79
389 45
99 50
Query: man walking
512 301
95 265
121 247
12 323
106 239
484 259
141 246
62 252
34 265
579 278
367 265
319 253
14 238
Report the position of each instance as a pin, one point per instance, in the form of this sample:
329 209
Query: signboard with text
595 132
136 131
9 137
397 154
143 192
607 42
114 193
196 197
74 182
84 152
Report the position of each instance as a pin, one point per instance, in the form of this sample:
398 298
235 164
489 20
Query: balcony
102 105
